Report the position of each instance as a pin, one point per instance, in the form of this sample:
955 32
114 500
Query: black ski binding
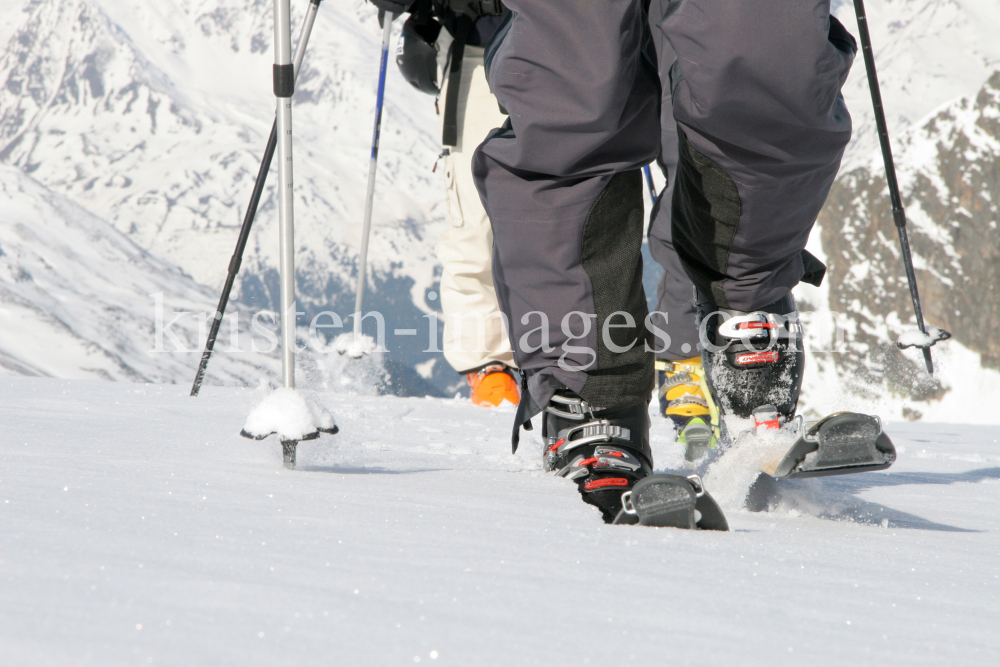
839 444
674 501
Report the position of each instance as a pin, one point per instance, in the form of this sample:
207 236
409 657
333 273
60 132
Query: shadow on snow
835 498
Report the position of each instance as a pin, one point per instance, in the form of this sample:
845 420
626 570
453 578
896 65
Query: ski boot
607 453
753 359
493 384
685 401
754 364
604 451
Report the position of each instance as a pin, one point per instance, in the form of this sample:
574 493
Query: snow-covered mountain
931 55
153 116
927 53
936 63
80 300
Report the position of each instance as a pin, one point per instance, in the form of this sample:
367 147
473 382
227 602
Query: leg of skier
681 395
561 184
762 126
475 338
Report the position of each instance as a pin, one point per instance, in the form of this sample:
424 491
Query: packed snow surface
140 528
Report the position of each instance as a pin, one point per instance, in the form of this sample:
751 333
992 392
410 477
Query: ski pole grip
899 217
284 80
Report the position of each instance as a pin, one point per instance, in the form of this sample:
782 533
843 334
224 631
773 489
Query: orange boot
492 385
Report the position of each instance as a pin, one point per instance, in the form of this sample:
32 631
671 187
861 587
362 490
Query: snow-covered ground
139 528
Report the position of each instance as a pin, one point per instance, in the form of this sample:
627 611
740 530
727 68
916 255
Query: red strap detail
587 462
607 481
757 358
618 454
557 445
756 325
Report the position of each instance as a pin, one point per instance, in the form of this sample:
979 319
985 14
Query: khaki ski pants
474 331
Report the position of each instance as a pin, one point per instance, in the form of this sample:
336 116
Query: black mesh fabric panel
706 210
612 258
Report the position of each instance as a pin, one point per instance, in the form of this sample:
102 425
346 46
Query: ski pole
649 183
284 88
387 19
251 212
898 215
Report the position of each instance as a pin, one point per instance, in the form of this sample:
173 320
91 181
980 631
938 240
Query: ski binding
839 444
675 501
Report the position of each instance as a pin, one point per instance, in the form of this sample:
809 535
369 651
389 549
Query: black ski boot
753 359
604 451
607 453
753 365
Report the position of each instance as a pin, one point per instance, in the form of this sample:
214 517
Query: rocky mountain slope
928 52
950 180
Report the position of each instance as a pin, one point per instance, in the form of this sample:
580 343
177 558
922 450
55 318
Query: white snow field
139 528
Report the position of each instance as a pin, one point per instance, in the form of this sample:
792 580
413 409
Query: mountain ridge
154 117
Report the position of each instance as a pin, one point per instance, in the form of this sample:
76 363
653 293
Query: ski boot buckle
576 409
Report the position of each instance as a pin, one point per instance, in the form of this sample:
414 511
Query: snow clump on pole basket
291 416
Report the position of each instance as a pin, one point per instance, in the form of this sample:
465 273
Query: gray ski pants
760 130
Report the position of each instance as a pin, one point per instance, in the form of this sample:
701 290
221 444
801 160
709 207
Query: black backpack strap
449 133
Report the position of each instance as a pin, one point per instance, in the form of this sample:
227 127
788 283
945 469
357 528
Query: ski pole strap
449 132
